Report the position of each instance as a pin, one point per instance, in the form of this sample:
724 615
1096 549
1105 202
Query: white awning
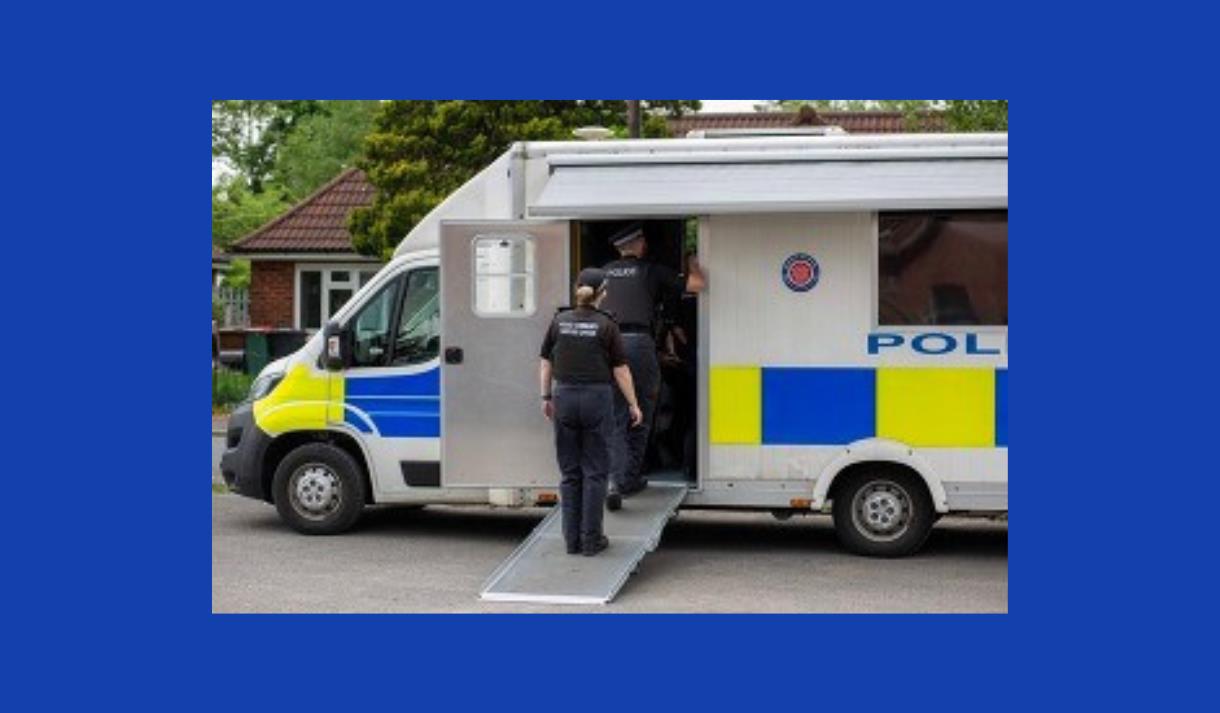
594 188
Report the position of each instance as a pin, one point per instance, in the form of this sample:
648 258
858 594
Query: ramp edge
507 564
649 542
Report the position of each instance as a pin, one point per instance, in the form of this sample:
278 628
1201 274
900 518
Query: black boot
594 544
614 501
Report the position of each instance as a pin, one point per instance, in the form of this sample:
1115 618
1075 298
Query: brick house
851 122
302 264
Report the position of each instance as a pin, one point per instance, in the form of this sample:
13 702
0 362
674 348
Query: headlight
264 385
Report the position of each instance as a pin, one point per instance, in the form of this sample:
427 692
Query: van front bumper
241 464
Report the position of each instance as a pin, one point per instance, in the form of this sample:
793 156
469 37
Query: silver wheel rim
315 491
881 511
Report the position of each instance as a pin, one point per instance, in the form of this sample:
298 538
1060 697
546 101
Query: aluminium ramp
540 570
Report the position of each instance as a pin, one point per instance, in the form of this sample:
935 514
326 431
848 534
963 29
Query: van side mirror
335 345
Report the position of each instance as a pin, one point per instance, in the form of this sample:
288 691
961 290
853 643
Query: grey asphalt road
435 559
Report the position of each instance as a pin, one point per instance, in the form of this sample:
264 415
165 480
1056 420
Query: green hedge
229 387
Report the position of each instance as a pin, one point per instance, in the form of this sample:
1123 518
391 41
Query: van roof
946 143
693 176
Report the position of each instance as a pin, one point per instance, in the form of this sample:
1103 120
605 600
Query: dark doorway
672 447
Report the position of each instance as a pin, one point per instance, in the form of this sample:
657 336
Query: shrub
229 387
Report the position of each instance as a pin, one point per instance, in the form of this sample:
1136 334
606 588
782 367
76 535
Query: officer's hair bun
585 295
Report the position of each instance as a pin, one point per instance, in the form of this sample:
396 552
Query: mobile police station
850 353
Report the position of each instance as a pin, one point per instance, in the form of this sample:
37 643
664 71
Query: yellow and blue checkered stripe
391 406
964 407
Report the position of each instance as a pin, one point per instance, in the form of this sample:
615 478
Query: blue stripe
408 425
1001 407
353 419
373 404
426 383
380 399
804 406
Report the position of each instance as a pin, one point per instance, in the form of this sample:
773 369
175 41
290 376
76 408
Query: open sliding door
501 282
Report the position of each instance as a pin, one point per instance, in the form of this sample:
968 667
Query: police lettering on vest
634 287
583 346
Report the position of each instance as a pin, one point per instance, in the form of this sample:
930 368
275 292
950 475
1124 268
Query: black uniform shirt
583 346
634 287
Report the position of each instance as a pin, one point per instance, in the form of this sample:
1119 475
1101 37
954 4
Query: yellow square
937 407
735 409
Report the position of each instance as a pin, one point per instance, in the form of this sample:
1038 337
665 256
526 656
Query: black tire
883 512
332 495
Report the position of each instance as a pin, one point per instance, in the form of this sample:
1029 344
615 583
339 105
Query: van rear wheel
318 489
883 513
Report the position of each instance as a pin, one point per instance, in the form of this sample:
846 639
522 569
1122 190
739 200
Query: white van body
797 383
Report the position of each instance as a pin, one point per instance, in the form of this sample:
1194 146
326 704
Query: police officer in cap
635 288
583 354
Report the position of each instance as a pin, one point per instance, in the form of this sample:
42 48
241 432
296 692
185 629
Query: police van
849 355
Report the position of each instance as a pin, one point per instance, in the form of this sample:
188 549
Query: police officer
583 353
635 288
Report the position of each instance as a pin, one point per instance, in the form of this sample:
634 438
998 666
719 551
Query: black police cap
591 277
631 231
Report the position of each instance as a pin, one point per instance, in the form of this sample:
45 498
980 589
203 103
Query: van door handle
454 355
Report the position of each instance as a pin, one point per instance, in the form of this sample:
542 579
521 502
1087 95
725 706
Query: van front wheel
883 513
318 489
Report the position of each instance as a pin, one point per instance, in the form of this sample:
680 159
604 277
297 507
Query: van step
540 570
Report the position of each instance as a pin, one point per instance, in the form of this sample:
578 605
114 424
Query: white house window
322 290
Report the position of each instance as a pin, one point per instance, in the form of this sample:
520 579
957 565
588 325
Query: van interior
671 454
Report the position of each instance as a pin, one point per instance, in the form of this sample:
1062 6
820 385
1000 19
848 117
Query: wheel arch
285 443
875 451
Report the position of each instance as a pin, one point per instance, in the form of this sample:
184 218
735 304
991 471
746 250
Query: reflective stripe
303 401
736 404
825 406
918 406
936 407
1001 407
393 406
399 405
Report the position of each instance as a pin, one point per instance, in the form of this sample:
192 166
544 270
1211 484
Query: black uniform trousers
630 444
584 427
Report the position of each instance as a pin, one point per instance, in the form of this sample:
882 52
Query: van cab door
390 390
501 284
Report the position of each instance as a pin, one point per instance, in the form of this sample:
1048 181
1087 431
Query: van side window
418 338
943 267
371 336
504 275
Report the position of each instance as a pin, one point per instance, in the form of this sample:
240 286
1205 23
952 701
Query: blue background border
106 550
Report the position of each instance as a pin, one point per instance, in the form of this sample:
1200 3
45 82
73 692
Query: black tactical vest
582 341
630 293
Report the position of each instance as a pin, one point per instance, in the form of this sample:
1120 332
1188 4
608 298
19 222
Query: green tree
247 133
420 151
237 210
977 114
321 145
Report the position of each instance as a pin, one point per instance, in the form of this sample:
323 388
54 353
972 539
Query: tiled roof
318 224
853 122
